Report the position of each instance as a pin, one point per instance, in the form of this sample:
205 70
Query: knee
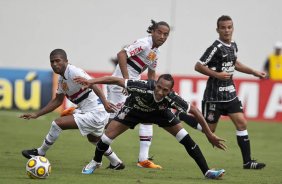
59 123
93 139
241 125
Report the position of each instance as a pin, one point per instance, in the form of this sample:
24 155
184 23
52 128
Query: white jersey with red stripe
85 98
141 56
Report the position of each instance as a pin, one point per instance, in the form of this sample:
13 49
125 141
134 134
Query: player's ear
217 30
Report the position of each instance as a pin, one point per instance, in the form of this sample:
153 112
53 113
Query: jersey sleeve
154 57
139 86
208 55
135 48
178 103
153 65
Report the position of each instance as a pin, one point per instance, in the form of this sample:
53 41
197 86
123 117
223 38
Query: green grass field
72 151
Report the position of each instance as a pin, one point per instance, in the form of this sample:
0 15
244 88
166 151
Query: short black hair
155 25
59 52
223 18
167 77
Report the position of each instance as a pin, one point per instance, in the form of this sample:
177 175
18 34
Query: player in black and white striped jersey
219 63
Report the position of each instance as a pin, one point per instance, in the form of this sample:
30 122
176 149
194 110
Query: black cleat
30 153
253 164
119 166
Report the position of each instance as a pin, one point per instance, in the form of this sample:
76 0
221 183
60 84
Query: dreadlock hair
167 77
60 52
155 25
223 18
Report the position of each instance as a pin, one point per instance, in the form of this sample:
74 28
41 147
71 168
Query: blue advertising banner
25 89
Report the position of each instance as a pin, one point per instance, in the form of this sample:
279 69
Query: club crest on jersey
162 107
210 116
152 56
65 86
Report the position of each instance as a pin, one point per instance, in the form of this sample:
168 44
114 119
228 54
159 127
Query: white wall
92 31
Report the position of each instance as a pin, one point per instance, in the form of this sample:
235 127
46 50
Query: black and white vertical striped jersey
220 57
141 98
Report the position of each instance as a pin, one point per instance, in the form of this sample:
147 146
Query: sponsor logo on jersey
211 55
230 88
135 51
212 107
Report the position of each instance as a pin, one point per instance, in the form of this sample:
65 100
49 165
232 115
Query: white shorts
115 96
92 122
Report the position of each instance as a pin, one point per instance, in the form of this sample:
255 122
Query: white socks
111 156
145 135
50 138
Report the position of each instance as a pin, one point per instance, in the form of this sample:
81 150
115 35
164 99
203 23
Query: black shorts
213 110
131 117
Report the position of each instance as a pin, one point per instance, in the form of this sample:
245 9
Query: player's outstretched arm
101 80
245 69
213 139
52 105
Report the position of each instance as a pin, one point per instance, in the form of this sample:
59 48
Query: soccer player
219 63
132 61
90 117
151 101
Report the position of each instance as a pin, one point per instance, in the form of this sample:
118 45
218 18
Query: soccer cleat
253 164
148 164
90 168
214 174
119 166
30 153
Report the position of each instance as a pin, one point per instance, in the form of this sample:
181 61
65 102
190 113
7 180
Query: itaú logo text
24 93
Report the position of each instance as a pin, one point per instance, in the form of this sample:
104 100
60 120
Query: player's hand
223 75
217 141
82 81
110 107
29 116
261 75
124 92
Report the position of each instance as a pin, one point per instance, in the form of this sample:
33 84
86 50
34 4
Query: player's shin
50 138
113 158
244 144
102 146
192 149
145 135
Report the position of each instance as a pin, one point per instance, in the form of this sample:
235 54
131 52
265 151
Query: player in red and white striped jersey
90 117
132 61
